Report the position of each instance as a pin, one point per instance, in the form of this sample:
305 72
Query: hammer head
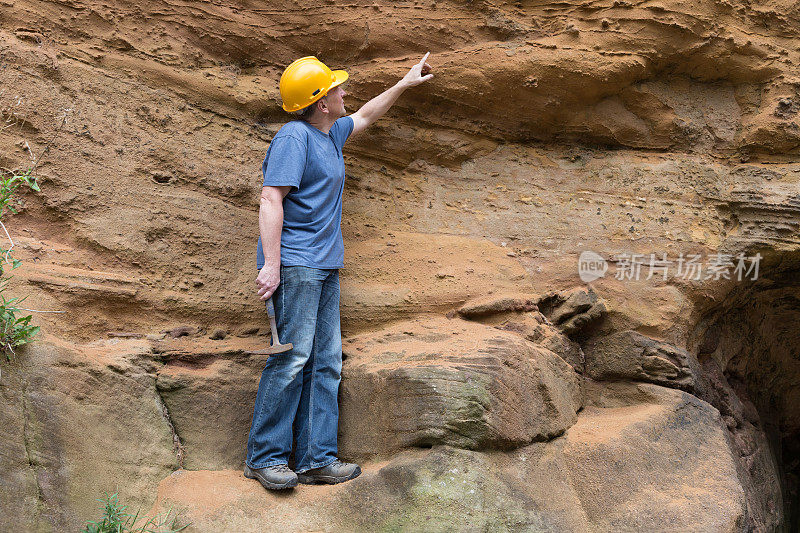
275 348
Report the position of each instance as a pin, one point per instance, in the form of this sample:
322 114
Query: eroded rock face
573 311
438 381
520 314
183 127
630 433
80 423
755 455
747 345
668 454
536 328
210 391
20 489
636 357
548 130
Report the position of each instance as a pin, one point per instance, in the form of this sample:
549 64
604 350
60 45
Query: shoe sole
328 480
248 473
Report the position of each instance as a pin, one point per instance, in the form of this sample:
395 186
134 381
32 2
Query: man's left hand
418 73
372 110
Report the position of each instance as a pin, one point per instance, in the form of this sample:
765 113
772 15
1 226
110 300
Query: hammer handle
272 325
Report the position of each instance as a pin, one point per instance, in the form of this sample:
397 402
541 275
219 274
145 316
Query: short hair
306 112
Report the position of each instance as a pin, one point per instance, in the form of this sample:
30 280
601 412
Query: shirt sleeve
342 129
285 162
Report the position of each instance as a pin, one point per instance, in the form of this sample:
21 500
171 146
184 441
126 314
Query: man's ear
323 105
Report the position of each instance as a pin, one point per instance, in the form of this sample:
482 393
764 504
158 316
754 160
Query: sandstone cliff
485 386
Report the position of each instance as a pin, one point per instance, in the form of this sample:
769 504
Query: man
300 251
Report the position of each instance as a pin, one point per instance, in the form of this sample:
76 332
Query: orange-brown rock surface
549 129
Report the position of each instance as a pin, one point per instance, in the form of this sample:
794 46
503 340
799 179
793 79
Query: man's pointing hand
418 73
372 110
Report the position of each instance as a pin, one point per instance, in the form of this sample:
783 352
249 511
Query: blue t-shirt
311 162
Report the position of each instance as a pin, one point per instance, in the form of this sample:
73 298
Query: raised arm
375 108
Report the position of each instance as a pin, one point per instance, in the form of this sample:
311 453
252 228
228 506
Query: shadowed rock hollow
485 386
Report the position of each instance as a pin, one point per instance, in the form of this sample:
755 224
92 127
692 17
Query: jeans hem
268 464
315 465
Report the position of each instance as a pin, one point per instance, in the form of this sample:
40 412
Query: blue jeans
301 386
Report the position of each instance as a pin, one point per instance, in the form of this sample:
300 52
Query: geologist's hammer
276 347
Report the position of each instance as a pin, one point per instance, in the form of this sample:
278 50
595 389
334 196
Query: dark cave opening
748 346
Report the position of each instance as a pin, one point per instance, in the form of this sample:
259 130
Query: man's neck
323 123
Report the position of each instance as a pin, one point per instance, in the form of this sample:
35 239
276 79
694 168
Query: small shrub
11 181
116 520
15 330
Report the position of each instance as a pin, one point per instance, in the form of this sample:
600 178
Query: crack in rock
178 447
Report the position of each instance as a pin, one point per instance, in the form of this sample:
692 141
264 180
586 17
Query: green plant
15 330
116 520
11 181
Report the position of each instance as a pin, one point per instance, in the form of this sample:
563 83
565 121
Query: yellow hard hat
307 80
